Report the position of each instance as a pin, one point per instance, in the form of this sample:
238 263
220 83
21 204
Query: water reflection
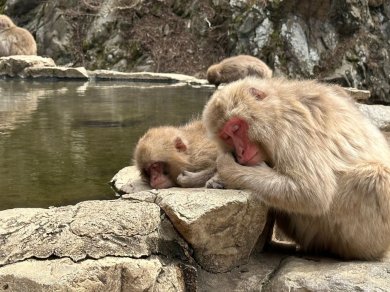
62 142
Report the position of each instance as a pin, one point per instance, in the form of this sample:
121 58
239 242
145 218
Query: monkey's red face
235 134
158 176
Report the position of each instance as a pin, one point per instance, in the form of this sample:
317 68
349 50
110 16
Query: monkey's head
214 75
5 22
238 117
160 156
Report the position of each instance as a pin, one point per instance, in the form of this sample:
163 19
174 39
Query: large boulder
222 226
107 274
92 229
163 240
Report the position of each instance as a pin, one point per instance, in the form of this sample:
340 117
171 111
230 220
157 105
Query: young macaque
15 40
238 67
327 170
176 156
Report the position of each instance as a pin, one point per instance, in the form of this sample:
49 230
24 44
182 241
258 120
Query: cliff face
343 41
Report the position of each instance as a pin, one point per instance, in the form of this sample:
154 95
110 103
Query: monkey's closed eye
145 175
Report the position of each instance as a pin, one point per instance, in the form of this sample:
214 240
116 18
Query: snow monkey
15 40
167 156
326 170
238 67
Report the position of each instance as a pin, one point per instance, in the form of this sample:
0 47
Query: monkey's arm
307 194
188 179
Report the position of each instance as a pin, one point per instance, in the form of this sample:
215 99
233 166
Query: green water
61 142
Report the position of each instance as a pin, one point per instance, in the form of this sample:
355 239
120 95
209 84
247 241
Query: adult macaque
176 156
327 170
238 67
15 40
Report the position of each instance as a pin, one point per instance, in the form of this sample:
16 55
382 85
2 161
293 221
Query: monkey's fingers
215 183
185 177
188 179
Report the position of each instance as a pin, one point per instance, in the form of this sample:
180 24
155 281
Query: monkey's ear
258 94
180 145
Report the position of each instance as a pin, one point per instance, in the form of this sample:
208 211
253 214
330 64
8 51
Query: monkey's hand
236 176
188 179
215 182
226 168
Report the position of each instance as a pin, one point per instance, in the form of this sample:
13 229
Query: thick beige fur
329 174
237 67
15 40
158 145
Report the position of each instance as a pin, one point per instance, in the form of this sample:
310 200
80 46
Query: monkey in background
167 156
327 170
15 40
237 67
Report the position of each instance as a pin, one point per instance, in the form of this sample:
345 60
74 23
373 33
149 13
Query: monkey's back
359 157
322 144
237 67
17 41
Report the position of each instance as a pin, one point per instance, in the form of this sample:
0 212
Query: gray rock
204 217
151 77
128 245
89 229
128 181
53 23
14 65
294 34
248 277
222 226
297 274
107 274
358 95
56 72
378 114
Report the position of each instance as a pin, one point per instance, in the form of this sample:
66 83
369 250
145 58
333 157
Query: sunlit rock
222 226
128 181
107 274
15 65
378 114
297 274
91 229
56 72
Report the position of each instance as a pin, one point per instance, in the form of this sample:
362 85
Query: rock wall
343 41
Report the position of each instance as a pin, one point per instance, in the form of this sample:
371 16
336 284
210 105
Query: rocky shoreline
160 240
37 67
163 240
